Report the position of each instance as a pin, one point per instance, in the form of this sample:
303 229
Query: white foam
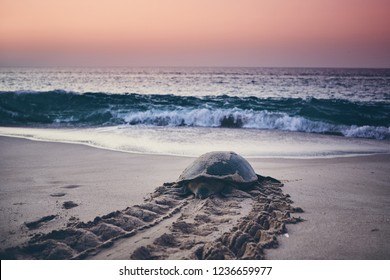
205 117
186 141
367 132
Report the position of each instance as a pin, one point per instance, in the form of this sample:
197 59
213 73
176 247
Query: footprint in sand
19 203
58 194
38 223
69 205
71 186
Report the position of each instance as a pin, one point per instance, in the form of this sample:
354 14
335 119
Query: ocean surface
258 112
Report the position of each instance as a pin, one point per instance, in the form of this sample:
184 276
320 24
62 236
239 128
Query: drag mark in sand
239 225
38 223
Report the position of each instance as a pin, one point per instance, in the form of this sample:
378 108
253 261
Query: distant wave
69 109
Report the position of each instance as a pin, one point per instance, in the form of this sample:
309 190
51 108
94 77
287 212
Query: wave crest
250 119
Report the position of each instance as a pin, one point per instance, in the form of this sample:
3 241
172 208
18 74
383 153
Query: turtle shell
227 166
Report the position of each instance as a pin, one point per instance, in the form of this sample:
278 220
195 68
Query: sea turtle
216 172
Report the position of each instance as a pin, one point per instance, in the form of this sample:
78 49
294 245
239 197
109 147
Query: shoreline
347 207
336 150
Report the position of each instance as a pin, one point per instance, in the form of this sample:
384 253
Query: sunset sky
340 33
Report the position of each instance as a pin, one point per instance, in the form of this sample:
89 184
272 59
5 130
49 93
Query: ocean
258 112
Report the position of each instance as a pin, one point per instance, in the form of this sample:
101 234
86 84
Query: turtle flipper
234 191
227 190
268 178
178 190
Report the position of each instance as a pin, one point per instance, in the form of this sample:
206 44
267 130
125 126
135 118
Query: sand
79 192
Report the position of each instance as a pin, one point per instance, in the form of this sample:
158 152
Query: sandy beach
50 186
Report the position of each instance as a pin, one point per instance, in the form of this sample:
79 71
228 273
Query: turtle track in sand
166 226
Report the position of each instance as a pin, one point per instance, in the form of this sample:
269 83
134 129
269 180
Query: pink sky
341 33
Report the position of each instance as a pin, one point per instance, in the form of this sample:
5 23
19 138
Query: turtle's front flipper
180 190
170 188
227 190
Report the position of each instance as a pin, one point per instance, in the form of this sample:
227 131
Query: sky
264 33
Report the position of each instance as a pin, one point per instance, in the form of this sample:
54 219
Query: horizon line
190 66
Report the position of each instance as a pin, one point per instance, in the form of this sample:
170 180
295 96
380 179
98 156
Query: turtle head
204 188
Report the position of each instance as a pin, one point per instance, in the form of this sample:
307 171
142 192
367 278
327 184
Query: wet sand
50 186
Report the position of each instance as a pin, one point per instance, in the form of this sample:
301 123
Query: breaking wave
59 108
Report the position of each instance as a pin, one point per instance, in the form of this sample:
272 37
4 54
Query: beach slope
49 186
